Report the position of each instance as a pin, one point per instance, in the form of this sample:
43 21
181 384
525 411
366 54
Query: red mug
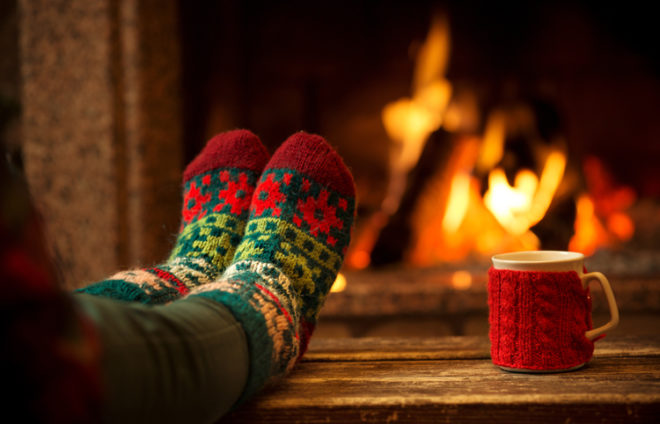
540 311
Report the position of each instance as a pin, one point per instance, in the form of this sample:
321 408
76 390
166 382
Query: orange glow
601 215
339 284
462 113
433 55
360 259
410 120
621 225
510 204
359 251
455 217
492 146
408 123
551 177
461 280
589 232
459 196
522 205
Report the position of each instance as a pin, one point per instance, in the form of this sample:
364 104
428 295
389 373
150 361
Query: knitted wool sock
299 228
218 186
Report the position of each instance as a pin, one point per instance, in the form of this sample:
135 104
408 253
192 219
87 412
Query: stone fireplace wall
101 129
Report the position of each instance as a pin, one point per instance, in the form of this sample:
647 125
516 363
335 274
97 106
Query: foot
218 185
294 244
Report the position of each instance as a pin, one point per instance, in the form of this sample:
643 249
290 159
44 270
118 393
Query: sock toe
236 149
312 156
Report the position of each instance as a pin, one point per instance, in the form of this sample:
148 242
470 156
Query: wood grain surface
453 380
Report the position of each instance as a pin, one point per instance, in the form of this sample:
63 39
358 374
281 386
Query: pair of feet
263 236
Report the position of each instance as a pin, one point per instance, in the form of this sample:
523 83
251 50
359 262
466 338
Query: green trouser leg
184 362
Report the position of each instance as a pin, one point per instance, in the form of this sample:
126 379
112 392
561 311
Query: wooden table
453 380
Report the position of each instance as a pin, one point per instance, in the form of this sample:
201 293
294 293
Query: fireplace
470 129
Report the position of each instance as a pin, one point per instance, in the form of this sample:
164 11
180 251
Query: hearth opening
471 128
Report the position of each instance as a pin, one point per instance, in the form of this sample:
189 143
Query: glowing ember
339 284
601 215
621 225
461 280
589 232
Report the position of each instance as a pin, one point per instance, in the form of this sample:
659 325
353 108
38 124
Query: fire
452 219
492 148
500 219
410 120
339 284
519 207
589 232
459 198
601 215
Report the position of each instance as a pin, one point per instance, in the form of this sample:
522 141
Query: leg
184 362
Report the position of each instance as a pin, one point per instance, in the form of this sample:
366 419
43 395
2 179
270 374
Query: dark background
330 67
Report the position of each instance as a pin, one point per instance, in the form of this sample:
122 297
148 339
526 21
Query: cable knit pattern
218 185
538 319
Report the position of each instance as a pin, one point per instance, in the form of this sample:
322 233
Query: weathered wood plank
608 390
462 381
478 413
628 346
379 349
452 379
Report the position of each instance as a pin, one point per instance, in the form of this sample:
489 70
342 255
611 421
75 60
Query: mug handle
609 294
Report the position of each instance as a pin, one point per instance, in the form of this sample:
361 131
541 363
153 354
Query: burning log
456 191
396 236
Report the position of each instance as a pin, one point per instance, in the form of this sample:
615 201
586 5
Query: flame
601 218
621 225
510 204
358 255
589 232
492 147
339 284
452 219
433 56
410 120
519 207
408 123
459 197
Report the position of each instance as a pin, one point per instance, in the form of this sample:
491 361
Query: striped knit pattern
303 228
294 243
218 186
264 301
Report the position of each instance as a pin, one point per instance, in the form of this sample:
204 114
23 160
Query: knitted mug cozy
538 320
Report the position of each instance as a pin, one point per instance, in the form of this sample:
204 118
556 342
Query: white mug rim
532 257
